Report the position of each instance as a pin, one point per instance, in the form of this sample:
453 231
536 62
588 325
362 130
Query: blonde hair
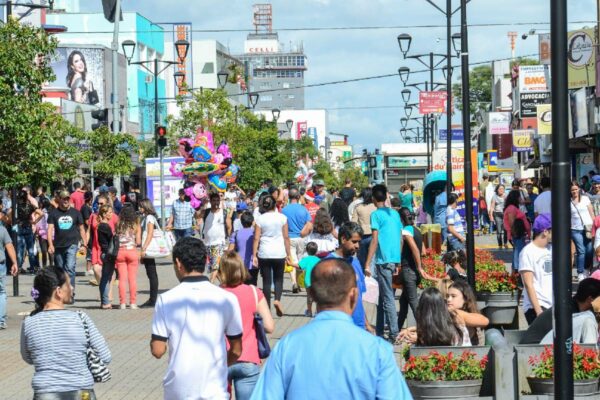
232 271
104 210
444 285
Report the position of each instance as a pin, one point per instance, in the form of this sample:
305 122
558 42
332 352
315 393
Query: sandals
278 309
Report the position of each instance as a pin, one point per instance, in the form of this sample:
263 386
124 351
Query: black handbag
113 248
93 95
264 349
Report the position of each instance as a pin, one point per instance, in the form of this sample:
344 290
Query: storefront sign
432 102
530 101
407 161
581 56
532 78
544 47
522 140
301 129
499 123
544 119
457 134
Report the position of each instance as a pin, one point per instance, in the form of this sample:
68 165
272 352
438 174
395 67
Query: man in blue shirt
439 212
349 236
456 228
299 226
330 357
386 246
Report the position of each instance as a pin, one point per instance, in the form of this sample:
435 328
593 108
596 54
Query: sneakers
123 307
580 277
134 307
2 325
308 313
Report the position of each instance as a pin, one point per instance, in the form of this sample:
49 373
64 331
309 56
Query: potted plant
447 376
586 371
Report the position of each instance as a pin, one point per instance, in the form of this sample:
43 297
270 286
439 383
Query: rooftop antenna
263 18
512 36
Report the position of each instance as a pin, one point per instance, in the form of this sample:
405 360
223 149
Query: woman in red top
516 225
232 274
94 243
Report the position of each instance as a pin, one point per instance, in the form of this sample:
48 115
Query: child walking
307 263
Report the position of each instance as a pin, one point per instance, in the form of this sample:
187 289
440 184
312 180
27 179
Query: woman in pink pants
128 259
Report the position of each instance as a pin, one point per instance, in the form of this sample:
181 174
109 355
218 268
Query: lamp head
182 46
404 41
404 72
128 49
406 95
222 78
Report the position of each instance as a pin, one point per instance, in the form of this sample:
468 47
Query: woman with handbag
149 223
516 225
128 259
65 359
582 219
105 234
232 275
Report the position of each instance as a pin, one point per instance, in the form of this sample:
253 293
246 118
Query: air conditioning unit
148 79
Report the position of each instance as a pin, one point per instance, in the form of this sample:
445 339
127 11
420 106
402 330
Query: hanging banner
171 184
579 113
544 48
522 140
499 123
432 102
581 55
530 101
544 119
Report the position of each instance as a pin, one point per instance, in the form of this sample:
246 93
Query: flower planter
580 387
501 307
444 389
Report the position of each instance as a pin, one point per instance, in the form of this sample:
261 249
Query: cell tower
512 36
263 18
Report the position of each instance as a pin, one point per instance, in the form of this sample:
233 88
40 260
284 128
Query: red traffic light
161 131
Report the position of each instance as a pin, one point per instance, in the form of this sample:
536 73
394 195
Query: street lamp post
182 47
561 172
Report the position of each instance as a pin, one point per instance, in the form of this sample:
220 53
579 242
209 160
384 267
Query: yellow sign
544 119
522 139
581 55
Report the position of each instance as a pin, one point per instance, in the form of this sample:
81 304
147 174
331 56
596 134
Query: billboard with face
81 71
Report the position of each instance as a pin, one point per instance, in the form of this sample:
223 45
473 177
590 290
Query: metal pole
561 240
466 122
160 149
115 84
8 9
156 119
449 98
430 117
427 133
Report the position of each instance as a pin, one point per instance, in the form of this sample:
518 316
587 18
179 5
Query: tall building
270 67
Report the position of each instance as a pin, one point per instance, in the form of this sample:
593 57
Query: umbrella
434 182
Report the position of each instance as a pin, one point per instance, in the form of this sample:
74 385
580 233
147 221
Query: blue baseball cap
241 206
596 179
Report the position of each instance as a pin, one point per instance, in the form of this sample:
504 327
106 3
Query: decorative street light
456 42
222 78
179 78
289 124
253 98
182 46
404 41
406 95
403 122
408 110
404 72
275 112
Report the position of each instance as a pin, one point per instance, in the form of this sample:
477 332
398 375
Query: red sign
301 129
432 102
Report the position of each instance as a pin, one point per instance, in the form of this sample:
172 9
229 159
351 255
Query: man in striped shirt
456 228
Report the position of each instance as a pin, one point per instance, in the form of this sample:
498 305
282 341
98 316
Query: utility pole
115 84
449 98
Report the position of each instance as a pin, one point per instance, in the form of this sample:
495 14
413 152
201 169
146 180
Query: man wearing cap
326 198
65 230
535 267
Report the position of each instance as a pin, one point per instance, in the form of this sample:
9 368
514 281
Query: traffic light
161 136
101 116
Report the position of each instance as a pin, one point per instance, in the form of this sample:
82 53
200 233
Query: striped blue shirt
54 343
454 218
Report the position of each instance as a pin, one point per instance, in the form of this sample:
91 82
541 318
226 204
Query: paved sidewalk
136 374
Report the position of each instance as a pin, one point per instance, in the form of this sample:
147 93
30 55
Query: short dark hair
379 193
191 253
406 216
588 287
396 203
293 194
181 192
76 185
331 280
545 182
348 229
247 219
452 198
311 248
214 195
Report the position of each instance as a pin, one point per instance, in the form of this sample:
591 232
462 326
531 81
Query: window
266 98
208 68
286 85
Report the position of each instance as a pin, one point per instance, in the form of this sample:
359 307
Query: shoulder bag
96 366
93 95
159 246
586 227
264 349
113 248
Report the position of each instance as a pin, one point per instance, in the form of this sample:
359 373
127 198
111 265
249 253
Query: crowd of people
330 242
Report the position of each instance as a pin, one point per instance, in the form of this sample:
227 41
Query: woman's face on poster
78 64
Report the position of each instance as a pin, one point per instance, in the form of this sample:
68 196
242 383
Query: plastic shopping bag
372 293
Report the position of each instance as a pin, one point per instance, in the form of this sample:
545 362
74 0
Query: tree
110 153
36 144
480 88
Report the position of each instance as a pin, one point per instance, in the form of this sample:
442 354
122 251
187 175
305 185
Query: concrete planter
444 390
546 386
500 308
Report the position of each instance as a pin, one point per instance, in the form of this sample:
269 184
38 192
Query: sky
335 55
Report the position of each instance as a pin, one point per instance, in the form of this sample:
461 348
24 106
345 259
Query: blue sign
457 134
312 133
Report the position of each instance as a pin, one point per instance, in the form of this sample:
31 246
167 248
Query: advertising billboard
544 119
78 114
530 101
457 134
544 48
522 140
533 78
171 186
579 113
406 161
581 55
432 102
499 123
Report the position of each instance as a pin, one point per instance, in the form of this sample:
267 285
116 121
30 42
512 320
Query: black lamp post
253 97
404 72
289 124
275 113
222 79
405 95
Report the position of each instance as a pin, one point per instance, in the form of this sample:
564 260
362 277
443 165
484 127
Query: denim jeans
181 233
71 395
65 259
108 270
518 245
244 376
26 242
409 296
500 232
2 293
444 232
455 244
386 305
583 247
363 250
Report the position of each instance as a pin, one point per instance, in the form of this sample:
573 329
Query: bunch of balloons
305 173
204 166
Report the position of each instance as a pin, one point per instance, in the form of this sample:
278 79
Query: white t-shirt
194 317
578 222
543 203
539 261
214 228
271 243
325 243
237 225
